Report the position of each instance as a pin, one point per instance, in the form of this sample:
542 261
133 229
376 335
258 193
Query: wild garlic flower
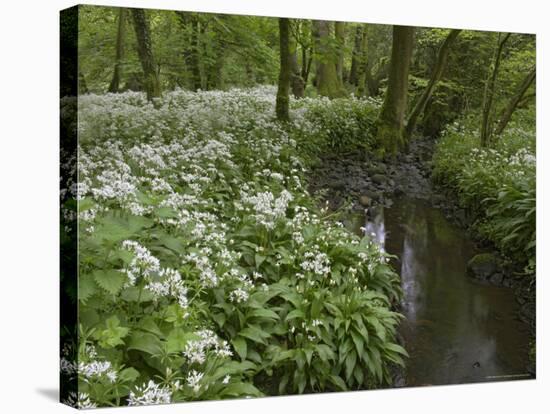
149 394
193 380
196 350
81 400
143 264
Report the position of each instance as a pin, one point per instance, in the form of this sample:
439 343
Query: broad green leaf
240 346
254 333
110 280
86 287
145 342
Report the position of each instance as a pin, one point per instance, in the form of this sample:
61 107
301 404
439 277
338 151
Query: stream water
455 329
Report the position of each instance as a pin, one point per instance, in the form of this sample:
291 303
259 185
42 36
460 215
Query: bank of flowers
497 185
206 270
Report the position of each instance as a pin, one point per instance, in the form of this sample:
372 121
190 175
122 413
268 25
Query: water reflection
455 330
375 226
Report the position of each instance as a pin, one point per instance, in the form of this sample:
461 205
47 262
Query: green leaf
111 281
254 333
128 375
112 336
325 352
359 343
396 348
134 294
259 259
296 313
283 384
339 382
240 346
86 287
264 313
233 368
241 389
177 340
351 359
145 342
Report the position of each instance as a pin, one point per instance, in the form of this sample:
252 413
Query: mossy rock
483 265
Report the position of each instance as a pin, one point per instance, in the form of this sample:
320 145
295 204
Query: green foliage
206 270
343 124
496 185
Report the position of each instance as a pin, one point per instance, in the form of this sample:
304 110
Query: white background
29 204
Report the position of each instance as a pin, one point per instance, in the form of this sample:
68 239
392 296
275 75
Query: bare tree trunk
145 52
513 104
340 36
120 37
391 121
486 124
436 76
328 83
282 104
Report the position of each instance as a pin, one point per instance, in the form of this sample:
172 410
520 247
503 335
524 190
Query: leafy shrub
497 185
341 124
206 271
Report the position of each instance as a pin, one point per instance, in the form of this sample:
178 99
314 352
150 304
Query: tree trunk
356 56
513 104
282 103
327 81
145 52
436 76
340 35
296 81
190 24
114 87
307 60
486 124
363 62
391 121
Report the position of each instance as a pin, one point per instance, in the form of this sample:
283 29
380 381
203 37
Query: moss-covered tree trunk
390 126
297 83
145 52
114 86
515 100
327 81
190 24
340 35
437 72
282 103
488 95
356 60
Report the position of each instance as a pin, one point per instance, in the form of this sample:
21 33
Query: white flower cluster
97 369
170 284
143 264
196 351
150 393
79 400
162 282
267 208
193 380
316 262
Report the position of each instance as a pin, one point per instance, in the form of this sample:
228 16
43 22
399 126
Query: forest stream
456 328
